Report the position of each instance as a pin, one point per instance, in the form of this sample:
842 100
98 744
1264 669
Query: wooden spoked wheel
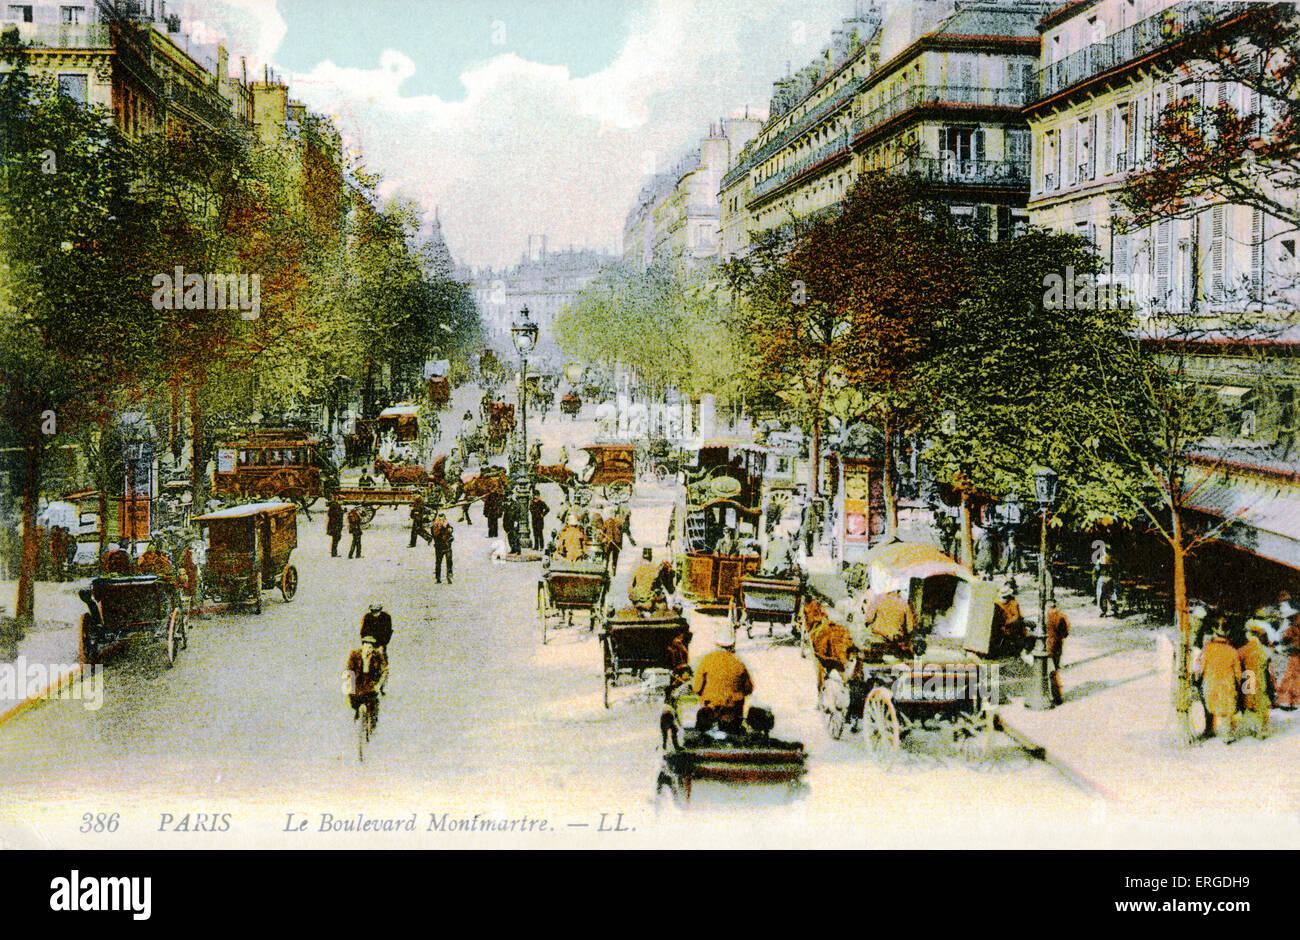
880 731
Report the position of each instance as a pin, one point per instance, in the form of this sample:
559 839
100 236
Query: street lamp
524 333
1040 693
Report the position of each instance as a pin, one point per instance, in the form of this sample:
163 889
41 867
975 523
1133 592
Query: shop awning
1265 516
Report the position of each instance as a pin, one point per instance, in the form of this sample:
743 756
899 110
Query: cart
439 392
631 644
136 604
248 552
611 467
569 586
368 502
500 425
760 598
571 404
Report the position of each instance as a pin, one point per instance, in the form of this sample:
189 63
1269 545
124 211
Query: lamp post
524 333
1040 693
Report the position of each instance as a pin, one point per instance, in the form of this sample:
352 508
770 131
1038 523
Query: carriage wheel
832 705
173 639
620 492
289 582
609 668
881 732
368 514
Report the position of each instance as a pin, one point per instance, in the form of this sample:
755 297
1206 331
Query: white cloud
532 149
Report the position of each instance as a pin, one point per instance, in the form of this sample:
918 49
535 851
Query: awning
1265 516
890 566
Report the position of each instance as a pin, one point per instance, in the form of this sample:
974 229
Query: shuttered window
1218 254
1257 255
1164 261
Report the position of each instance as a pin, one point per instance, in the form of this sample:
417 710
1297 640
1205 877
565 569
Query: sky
520 117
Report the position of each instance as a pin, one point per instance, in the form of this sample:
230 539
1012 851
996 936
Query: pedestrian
1257 682
42 546
1288 690
615 530
442 536
334 525
1105 589
1058 628
1008 625
354 529
492 508
535 453
513 520
985 554
1220 672
419 516
538 509
946 526
59 551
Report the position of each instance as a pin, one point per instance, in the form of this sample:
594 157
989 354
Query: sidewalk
49 655
1113 734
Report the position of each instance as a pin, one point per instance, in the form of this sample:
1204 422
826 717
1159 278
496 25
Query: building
934 89
676 221
544 281
1108 69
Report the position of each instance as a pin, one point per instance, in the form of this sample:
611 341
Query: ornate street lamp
524 333
1040 693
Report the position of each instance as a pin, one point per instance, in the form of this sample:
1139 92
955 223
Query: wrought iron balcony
924 95
1152 34
837 145
1013 173
63 35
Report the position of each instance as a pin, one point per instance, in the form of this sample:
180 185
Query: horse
558 474
479 485
402 474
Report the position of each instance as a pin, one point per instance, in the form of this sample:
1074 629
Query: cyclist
367 673
378 623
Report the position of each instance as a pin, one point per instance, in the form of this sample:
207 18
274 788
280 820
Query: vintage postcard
649 423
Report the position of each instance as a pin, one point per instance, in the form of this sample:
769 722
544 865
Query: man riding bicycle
378 623
367 673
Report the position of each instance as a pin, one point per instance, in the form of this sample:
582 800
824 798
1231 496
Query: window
72 16
74 87
1123 139
965 145
1071 148
1018 146
19 13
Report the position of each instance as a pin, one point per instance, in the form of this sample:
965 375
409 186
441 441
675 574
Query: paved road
479 717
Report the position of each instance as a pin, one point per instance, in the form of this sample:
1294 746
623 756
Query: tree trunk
967 542
1183 689
101 483
368 391
817 438
887 483
196 450
174 420
25 607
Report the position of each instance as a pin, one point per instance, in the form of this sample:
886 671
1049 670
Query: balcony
1012 173
1143 38
919 96
212 110
841 144
63 35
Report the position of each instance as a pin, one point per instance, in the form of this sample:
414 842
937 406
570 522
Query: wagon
136 604
762 599
439 392
500 419
284 464
569 586
248 552
571 404
368 502
611 467
631 644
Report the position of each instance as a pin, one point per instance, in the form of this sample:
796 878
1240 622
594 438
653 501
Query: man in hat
615 530
513 520
891 619
442 536
59 550
493 504
572 541
1258 683
154 562
1008 624
378 624
354 529
778 560
334 525
419 517
644 590
723 682
1220 672
538 509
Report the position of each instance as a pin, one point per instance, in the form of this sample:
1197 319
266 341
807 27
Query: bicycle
367 720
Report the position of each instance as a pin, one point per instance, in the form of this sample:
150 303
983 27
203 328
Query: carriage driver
722 682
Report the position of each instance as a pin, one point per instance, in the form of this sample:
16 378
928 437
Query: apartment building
1108 69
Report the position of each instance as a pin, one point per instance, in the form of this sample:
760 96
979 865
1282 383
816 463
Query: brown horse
402 474
479 485
556 473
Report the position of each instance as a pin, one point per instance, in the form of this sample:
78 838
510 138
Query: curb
1040 751
44 694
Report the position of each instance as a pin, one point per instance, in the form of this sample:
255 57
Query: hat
370 639
1008 592
724 635
376 606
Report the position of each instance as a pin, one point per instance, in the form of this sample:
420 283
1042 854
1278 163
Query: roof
242 511
901 561
399 411
986 21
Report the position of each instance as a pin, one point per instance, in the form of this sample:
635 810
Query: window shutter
1108 142
1073 132
1218 286
1257 255
1092 147
1164 240
979 145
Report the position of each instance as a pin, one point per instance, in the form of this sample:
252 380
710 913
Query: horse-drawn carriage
499 418
120 607
571 404
611 467
766 599
715 548
248 549
567 587
632 643
284 464
941 679
369 502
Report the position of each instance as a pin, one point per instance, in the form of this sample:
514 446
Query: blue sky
446 37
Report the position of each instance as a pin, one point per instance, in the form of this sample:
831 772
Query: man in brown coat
59 550
354 529
1220 671
722 682
644 590
1008 625
442 536
493 506
419 516
891 619
1258 682
334 526
1058 628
